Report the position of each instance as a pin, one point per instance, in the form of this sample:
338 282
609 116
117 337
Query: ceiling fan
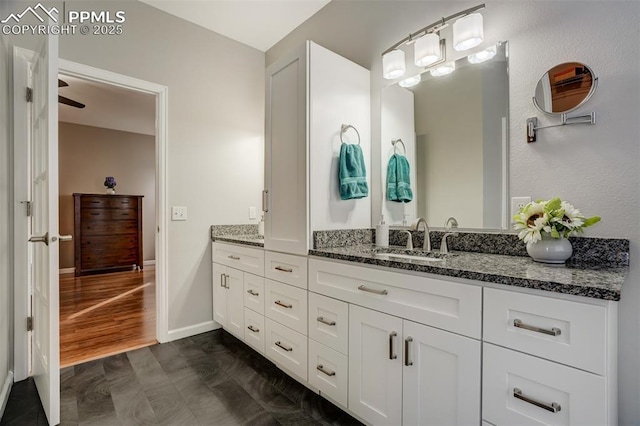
67 101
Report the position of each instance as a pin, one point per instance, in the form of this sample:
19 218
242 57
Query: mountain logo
39 11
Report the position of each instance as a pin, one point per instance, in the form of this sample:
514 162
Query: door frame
74 69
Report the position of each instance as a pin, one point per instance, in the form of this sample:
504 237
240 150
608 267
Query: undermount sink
391 256
397 253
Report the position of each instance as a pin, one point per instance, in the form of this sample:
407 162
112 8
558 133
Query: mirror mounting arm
532 124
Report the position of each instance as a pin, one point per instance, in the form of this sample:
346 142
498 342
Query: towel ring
344 129
395 142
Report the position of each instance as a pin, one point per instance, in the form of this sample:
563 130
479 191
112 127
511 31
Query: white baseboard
6 390
148 263
192 330
67 271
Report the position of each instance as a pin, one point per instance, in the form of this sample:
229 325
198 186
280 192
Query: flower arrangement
555 218
110 182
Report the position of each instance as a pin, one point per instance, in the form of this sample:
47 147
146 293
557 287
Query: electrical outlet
252 213
517 203
178 213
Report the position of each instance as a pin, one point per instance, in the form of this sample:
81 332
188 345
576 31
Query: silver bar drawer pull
252 328
233 257
329 373
407 351
284 305
371 290
392 355
324 321
553 332
554 407
253 293
283 346
283 269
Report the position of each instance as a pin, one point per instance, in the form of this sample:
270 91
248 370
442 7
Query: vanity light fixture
468 32
444 69
393 65
410 82
482 56
429 48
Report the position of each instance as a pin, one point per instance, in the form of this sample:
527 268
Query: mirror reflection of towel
398 179
353 173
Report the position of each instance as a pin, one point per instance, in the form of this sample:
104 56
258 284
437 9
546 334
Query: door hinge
29 94
29 206
29 323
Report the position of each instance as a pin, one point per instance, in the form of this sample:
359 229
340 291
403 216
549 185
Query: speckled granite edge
239 234
517 271
608 252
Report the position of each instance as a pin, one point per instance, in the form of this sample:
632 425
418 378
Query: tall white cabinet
310 94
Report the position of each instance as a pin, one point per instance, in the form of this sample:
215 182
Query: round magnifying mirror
564 88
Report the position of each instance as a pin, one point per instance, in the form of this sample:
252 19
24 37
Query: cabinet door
375 366
286 218
235 303
441 377
219 294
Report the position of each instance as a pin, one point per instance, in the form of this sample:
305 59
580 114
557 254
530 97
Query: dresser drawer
111 202
520 389
329 322
110 243
286 348
286 268
286 304
443 304
254 292
568 332
93 215
116 227
328 372
254 331
246 259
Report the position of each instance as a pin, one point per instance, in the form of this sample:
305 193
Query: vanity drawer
568 332
329 322
286 268
246 259
443 304
286 304
520 389
328 372
254 292
254 331
286 348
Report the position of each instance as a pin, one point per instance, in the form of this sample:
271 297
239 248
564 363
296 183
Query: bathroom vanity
465 339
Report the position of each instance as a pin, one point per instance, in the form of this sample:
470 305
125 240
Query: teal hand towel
398 179
353 173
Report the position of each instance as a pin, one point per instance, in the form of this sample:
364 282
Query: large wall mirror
455 133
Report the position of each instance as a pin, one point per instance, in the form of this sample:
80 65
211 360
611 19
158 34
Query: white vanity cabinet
310 93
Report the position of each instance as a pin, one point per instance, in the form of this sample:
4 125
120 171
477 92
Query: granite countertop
519 271
254 240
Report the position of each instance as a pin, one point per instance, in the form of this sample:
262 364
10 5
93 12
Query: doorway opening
107 188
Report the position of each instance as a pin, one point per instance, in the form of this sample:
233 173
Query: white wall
216 131
86 156
594 167
6 227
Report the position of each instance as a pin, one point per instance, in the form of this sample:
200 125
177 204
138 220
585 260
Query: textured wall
595 167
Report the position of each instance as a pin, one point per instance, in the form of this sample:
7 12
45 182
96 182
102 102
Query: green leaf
554 204
554 233
591 221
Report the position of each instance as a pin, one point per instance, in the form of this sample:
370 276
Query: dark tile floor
209 379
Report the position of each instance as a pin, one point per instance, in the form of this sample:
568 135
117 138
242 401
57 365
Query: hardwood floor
209 379
102 315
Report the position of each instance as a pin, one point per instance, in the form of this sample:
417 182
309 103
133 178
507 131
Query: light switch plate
252 213
178 213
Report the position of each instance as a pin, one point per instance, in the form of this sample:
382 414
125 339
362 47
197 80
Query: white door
285 204
235 302
441 377
44 228
375 366
220 294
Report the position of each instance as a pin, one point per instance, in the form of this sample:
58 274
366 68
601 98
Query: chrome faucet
444 248
427 239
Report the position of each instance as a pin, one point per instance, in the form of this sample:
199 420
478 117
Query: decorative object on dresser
108 233
545 227
110 183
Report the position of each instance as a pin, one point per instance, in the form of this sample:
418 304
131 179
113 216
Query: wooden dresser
108 233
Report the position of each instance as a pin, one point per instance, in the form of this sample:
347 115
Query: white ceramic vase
550 250
111 191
